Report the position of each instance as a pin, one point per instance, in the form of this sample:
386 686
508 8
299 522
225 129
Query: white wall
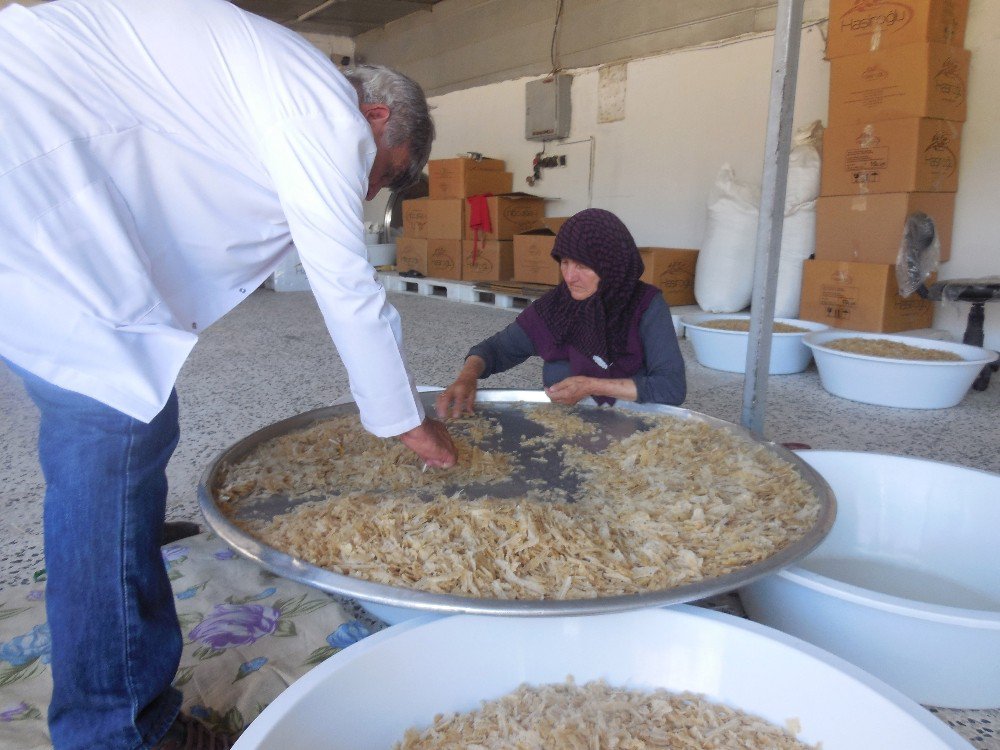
976 237
688 112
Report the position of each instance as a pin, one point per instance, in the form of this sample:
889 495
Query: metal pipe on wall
777 144
315 11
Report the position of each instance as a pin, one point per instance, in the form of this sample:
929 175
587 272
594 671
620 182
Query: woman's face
582 280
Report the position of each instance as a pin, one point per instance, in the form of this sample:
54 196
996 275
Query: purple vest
625 366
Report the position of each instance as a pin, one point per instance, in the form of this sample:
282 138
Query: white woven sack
798 234
798 242
723 279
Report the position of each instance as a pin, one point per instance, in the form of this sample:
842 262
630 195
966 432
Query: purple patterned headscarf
598 325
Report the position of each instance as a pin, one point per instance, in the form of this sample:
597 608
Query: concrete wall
463 43
335 47
688 112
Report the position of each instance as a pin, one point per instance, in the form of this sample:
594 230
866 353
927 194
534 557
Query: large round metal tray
619 422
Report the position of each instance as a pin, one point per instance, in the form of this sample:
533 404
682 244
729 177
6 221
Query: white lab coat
157 159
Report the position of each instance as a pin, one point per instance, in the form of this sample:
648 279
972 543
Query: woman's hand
458 398
432 443
571 390
577 387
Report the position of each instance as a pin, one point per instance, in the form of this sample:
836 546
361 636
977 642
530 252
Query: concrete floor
271 358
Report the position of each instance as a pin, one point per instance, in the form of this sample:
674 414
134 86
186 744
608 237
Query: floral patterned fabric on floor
247 636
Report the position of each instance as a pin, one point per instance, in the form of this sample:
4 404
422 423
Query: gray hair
410 121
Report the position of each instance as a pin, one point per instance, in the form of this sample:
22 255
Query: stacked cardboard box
533 261
489 256
671 270
898 75
411 247
438 240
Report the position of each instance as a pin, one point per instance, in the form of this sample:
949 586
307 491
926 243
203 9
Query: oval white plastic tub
907 584
366 696
727 350
904 383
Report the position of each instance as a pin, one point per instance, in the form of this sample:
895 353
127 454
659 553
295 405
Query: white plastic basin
727 350
364 697
382 254
905 383
678 325
907 584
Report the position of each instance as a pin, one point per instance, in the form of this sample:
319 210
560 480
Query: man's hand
432 443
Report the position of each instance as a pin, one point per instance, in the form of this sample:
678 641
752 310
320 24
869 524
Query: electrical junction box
547 112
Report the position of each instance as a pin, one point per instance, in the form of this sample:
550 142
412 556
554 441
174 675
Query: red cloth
479 219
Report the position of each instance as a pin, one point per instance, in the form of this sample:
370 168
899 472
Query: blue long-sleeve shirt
660 380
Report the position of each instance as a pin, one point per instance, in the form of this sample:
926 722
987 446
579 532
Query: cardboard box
462 177
915 80
554 223
671 270
446 218
415 218
858 26
892 156
474 183
860 297
444 259
533 261
493 261
411 255
462 165
512 214
869 228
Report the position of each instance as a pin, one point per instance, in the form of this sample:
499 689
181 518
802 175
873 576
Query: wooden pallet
505 296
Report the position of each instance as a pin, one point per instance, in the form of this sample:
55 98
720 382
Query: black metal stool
978 292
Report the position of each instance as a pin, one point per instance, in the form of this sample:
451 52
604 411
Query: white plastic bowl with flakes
907 584
722 349
904 383
366 696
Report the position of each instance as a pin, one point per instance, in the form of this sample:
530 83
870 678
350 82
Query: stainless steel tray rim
284 565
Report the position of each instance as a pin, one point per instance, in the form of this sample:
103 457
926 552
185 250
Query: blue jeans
116 642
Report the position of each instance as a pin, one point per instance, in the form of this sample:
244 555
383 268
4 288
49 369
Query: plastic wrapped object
919 253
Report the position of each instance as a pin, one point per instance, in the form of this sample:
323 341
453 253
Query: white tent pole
784 70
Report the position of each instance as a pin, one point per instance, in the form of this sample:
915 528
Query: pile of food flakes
597 715
674 502
743 324
890 349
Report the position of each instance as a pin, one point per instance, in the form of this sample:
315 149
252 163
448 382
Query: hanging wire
554 46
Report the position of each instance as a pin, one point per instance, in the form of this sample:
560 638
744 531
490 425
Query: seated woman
601 332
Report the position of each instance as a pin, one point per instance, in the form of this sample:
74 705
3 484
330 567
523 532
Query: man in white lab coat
157 159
